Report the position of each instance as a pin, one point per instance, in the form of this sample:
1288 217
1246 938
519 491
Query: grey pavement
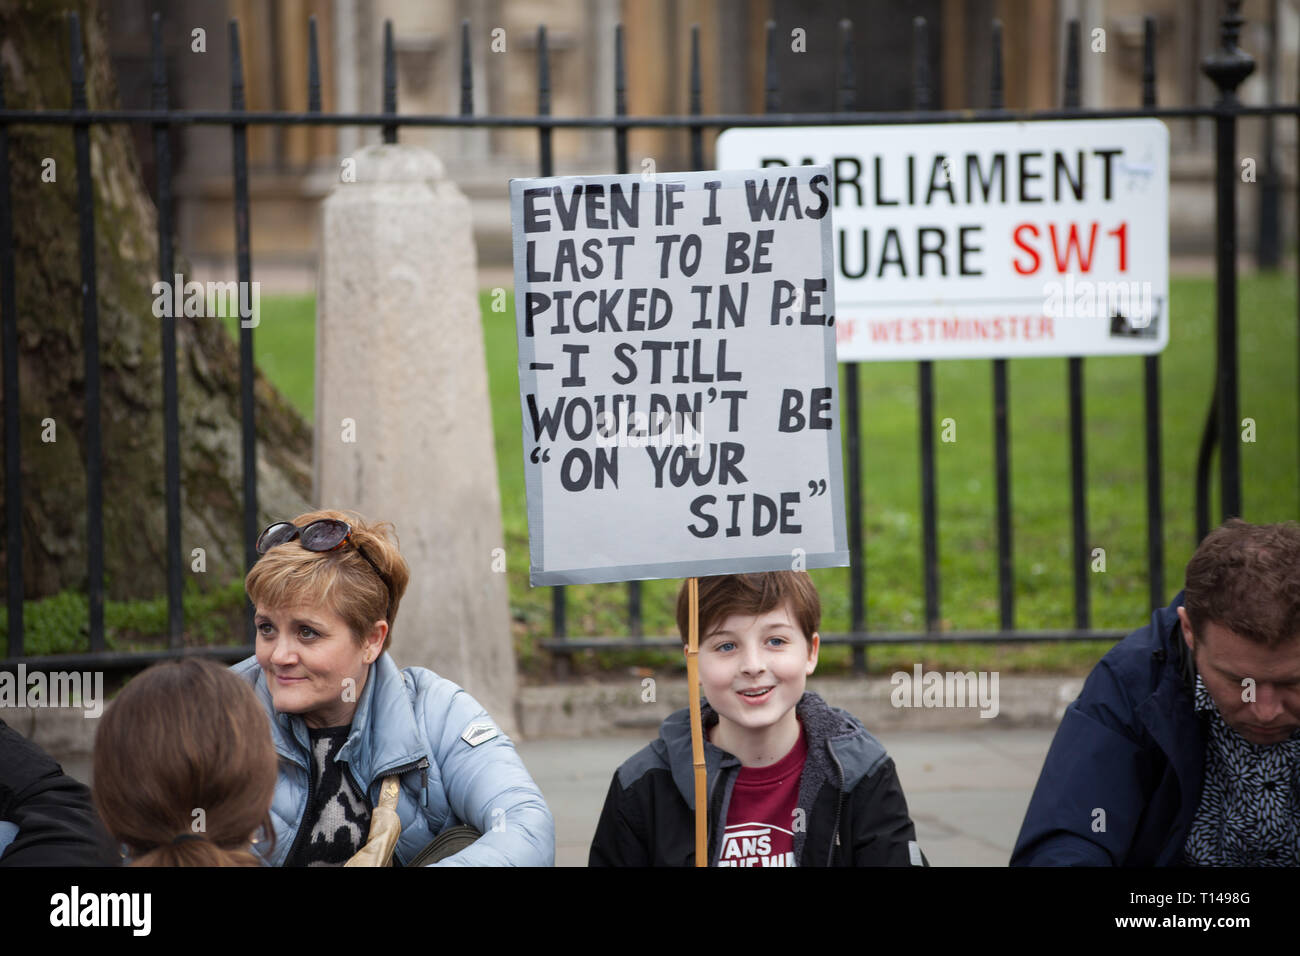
967 790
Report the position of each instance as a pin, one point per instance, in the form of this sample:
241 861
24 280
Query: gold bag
385 829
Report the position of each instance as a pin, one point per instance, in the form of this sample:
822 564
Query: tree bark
35 58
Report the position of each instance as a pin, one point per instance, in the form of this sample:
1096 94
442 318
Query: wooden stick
697 731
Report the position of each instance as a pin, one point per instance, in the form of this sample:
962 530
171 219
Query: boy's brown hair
1246 578
751 594
341 580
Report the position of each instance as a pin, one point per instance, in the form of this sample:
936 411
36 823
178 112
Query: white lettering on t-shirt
750 844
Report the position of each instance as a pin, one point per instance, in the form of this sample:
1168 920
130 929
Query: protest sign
979 240
677 374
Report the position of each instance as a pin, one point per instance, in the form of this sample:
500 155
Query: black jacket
855 811
55 819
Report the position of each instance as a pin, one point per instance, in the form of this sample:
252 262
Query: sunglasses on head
323 534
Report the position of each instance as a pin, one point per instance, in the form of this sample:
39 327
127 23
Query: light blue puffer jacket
410 722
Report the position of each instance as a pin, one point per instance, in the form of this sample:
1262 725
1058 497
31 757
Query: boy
791 780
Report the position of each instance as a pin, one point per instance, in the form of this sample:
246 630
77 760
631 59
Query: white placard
677 374
975 240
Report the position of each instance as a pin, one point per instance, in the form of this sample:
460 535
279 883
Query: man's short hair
751 594
1246 578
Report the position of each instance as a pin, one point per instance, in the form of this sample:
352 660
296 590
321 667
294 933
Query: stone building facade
292 167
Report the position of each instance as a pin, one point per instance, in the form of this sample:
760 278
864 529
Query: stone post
403 424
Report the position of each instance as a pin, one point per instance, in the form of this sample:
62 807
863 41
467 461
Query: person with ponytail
184 767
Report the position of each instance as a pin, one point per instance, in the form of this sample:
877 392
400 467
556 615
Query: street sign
970 240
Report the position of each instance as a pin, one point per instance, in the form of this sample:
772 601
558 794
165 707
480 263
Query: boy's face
753 669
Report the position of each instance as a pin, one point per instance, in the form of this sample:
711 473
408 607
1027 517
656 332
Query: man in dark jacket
46 817
1184 746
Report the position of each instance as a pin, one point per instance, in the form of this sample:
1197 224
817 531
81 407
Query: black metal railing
1227 67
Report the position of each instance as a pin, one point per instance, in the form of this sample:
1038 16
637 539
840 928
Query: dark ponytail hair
184 767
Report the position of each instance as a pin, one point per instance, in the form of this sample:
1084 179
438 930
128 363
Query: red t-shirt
761 816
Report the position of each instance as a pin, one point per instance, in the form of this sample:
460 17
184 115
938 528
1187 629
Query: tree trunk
35 58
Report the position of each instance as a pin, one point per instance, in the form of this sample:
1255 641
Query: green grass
284 347
1116 485
59 624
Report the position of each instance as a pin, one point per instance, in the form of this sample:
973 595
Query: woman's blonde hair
185 767
341 580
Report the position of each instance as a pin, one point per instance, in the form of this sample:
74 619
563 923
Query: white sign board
961 240
677 374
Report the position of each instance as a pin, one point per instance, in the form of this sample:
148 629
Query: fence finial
466 71
695 104
1228 66
313 67
544 102
543 73
920 65
771 78
997 90
697 107
236 69
78 62
1071 99
620 101
159 84
390 82
1148 61
620 73
847 92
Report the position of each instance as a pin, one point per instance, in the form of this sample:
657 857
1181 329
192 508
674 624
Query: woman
344 717
184 767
